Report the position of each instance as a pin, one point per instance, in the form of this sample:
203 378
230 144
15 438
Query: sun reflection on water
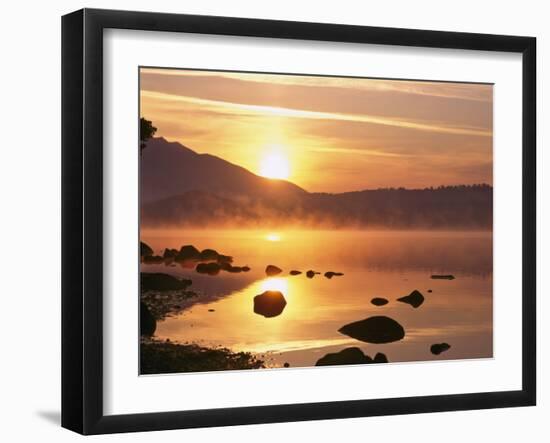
275 284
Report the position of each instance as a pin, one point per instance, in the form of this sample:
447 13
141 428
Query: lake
385 264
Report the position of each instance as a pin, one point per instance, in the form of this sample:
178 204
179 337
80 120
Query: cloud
250 109
479 92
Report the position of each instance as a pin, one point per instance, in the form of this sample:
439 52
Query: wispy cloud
247 109
357 151
460 91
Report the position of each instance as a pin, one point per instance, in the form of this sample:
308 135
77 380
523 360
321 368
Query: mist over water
388 264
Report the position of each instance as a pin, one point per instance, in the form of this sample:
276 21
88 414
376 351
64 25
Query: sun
273 236
275 165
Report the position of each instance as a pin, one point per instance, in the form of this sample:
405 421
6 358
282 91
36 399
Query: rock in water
379 301
294 272
170 253
147 323
438 348
415 299
211 268
348 356
209 254
224 258
311 273
158 281
188 252
380 358
442 277
269 304
331 274
228 267
245 268
272 270
286 364
145 250
377 329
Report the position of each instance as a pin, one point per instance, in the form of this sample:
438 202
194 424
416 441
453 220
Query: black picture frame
82 219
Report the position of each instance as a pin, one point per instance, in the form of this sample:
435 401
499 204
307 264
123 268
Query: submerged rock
272 270
144 249
442 277
331 274
377 329
211 268
161 282
415 299
438 348
147 323
188 252
311 273
294 272
348 356
379 301
269 304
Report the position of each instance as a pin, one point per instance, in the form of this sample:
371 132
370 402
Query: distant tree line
461 206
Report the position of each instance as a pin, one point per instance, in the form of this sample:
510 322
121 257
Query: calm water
385 264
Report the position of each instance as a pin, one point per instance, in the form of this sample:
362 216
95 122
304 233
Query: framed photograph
269 221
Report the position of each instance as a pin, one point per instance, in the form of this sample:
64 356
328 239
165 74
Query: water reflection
384 264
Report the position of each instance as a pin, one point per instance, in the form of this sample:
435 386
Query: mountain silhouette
170 169
180 187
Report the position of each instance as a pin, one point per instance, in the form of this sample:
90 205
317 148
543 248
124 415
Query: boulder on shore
347 356
438 348
377 329
269 304
380 358
379 301
415 299
145 250
157 281
272 270
147 323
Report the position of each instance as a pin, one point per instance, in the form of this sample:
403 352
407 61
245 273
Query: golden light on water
274 164
273 236
275 284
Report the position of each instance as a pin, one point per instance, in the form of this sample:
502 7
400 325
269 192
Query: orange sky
334 134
